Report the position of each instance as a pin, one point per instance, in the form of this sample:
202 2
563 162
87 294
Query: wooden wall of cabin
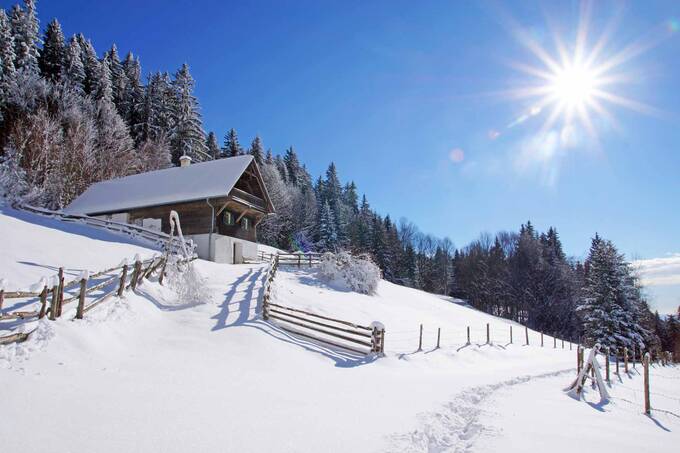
194 216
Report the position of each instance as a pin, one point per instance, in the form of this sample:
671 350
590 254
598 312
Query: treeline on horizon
69 118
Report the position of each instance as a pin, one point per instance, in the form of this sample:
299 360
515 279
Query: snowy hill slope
150 373
34 246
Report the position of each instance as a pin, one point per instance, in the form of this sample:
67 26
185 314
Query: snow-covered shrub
357 273
185 281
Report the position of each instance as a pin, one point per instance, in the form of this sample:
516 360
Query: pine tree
605 309
187 136
101 89
256 150
212 146
293 168
53 53
119 82
328 237
73 72
25 29
91 64
231 146
133 98
7 70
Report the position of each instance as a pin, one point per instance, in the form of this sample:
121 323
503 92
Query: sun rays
579 83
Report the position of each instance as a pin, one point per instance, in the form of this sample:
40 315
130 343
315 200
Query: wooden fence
53 296
334 332
172 244
296 259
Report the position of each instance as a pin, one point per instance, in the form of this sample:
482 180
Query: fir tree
293 168
73 71
231 146
187 136
212 147
133 98
328 237
7 70
91 64
256 150
25 29
53 53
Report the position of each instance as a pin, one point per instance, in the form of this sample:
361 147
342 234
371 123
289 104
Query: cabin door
238 253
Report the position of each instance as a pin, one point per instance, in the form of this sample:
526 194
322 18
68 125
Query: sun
578 82
574 86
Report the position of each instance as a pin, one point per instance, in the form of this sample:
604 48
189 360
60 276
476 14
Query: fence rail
296 259
158 238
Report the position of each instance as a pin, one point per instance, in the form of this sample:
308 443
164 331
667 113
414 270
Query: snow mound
357 273
13 354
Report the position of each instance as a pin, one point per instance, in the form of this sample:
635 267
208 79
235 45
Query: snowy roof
210 179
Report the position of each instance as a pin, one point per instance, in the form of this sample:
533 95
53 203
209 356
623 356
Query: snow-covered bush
357 273
185 281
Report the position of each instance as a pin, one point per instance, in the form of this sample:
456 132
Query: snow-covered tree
187 136
25 29
256 150
73 71
328 235
53 52
211 144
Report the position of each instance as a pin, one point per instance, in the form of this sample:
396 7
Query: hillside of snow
149 372
34 246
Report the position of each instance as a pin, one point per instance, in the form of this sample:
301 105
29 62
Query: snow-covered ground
150 373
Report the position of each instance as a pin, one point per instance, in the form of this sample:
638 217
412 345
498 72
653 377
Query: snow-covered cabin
220 203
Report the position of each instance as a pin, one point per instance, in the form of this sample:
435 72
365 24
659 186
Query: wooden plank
347 323
340 329
325 332
14 338
99 301
19 315
320 340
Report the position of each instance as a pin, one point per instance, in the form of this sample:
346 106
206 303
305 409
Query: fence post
55 299
510 334
570 343
541 339
160 279
81 297
439 335
554 342
377 337
123 278
526 334
420 340
61 291
645 362
488 334
468 334
135 273
578 360
633 356
299 260
606 363
625 359
2 297
616 356
310 260
562 343
43 302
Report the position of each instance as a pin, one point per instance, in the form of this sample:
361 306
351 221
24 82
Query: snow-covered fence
334 332
88 290
155 237
296 259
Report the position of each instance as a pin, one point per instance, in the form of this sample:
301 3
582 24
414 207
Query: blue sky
413 101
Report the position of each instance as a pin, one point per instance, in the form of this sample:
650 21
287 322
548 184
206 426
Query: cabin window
245 223
228 218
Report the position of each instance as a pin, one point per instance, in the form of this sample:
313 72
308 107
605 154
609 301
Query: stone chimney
184 161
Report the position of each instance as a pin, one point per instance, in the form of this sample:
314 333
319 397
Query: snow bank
357 273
